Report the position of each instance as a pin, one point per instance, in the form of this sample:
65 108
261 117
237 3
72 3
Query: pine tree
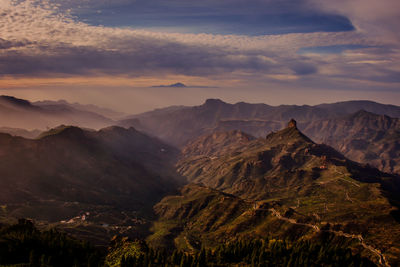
183 261
43 260
174 257
254 259
123 262
33 260
262 257
202 258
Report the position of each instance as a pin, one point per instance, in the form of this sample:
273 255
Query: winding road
382 260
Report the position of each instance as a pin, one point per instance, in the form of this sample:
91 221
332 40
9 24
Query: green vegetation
267 252
121 249
25 245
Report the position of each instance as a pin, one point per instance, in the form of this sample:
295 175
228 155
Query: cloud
157 57
4 44
377 18
218 17
40 39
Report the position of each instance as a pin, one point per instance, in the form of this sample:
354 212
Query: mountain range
180 124
192 178
105 112
347 126
22 114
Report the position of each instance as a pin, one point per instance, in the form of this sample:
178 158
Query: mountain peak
289 134
178 84
213 102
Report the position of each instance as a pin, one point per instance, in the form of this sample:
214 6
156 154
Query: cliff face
362 137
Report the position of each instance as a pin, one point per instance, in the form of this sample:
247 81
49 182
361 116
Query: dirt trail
382 260
293 221
353 183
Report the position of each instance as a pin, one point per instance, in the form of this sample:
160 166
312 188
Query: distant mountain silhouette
15 101
180 85
105 112
21 132
19 113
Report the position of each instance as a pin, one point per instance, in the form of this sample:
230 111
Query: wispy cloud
40 39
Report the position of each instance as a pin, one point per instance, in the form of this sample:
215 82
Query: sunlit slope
285 186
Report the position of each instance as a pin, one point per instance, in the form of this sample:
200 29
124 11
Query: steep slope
363 137
114 174
19 113
203 217
244 166
178 125
221 142
284 186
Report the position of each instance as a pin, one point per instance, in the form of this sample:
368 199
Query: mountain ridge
180 124
284 185
105 112
20 113
93 184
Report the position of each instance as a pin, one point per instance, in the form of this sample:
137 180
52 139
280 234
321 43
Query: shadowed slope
19 113
69 170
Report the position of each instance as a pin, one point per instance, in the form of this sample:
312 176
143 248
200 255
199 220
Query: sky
112 53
